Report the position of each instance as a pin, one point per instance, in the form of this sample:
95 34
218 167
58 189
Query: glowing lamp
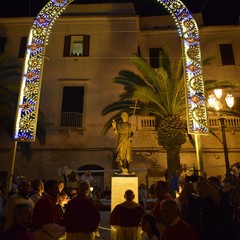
218 93
229 100
212 100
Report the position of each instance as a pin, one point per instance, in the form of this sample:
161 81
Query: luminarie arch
29 95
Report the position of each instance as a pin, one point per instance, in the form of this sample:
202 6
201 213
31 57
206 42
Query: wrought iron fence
71 119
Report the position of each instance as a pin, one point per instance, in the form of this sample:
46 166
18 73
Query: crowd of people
202 208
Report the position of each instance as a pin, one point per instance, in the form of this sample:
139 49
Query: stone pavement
104 228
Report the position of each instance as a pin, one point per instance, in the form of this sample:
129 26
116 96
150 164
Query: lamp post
214 102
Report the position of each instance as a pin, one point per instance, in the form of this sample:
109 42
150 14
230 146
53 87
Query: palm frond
147 95
123 105
149 74
164 61
208 60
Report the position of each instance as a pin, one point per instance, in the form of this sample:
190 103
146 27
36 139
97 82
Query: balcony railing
71 119
148 122
229 122
144 123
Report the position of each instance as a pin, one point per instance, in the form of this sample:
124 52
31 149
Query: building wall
113 39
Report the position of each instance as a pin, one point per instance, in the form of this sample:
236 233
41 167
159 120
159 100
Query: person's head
63 198
24 187
73 193
227 186
161 188
129 195
169 211
51 187
84 188
148 223
214 182
23 214
187 189
124 117
202 189
61 186
37 185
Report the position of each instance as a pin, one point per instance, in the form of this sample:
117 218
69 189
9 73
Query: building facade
88 46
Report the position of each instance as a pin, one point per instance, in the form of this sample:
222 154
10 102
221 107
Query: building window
2 44
76 46
22 49
154 57
72 106
227 54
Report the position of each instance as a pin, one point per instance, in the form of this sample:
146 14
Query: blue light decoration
194 83
29 95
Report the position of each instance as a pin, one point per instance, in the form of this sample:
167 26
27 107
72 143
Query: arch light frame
29 95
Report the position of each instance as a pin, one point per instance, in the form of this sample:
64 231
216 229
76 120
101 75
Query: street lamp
214 102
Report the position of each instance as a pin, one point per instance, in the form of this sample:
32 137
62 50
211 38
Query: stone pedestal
119 187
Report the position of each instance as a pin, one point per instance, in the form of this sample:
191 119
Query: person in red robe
46 220
126 218
161 192
81 216
176 228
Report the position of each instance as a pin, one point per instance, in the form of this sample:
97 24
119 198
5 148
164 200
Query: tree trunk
173 164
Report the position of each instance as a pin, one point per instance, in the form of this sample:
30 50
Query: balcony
71 119
147 123
229 122
70 122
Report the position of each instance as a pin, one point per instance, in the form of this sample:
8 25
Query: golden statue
124 147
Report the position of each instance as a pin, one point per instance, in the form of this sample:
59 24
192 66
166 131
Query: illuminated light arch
29 95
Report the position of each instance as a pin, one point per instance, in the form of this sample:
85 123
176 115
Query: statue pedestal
119 187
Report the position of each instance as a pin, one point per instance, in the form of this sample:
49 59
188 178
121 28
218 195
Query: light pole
214 102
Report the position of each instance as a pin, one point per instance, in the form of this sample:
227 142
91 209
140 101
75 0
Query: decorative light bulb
229 100
218 93
212 100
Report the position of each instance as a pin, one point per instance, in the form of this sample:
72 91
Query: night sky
215 12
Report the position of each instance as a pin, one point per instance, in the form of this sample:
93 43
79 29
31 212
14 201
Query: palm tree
9 89
159 92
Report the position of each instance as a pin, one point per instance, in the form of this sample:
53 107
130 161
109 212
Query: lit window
76 46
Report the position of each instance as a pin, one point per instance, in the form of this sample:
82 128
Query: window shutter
86 43
22 48
67 44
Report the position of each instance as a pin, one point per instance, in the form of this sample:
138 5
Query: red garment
180 231
18 232
156 210
45 212
126 217
81 215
